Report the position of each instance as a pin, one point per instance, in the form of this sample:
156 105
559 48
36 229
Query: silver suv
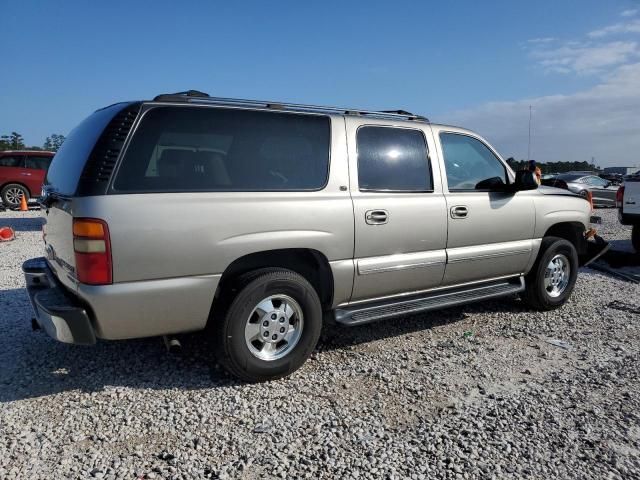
262 220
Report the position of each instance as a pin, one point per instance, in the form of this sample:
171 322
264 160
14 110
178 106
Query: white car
628 203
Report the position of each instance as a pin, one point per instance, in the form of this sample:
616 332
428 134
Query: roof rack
195 96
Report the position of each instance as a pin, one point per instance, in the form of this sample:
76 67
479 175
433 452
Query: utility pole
529 144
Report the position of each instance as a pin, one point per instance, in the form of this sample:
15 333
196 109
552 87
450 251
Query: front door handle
459 211
376 217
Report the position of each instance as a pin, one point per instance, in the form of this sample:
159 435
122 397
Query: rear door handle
25 174
376 217
459 211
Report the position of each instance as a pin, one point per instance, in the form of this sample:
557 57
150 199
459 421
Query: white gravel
472 392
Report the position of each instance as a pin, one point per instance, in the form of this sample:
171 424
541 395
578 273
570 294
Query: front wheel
271 327
553 276
635 238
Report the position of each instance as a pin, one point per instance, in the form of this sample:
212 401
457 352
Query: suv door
400 212
490 232
36 170
12 169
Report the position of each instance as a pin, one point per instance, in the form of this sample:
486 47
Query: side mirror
525 180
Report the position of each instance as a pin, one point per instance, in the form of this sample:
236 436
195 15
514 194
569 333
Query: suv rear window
212 149
12 161
38 163
68 163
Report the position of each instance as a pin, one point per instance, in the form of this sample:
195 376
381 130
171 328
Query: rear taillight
619 196
93 251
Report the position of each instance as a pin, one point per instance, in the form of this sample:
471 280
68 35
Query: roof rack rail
181 95
195 96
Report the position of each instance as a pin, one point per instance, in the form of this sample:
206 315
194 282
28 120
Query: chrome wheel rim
556 275
274 327
13 195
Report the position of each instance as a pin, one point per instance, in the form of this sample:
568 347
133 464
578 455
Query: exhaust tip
172 344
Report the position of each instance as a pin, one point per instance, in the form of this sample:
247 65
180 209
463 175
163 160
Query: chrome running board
380 310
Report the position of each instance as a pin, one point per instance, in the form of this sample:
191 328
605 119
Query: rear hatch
631 198
81 169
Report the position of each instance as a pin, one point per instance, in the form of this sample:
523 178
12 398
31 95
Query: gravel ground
472 392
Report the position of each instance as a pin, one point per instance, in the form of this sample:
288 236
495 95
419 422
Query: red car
22 172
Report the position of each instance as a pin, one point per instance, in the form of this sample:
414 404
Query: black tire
635 238
8 193
536 294
233 350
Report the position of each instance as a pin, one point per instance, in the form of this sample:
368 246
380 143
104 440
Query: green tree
14 141
53 142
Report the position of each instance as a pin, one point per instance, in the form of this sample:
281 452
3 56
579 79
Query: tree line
553 167
15 141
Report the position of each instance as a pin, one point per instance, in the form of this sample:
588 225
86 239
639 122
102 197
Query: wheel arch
312 264
17 183
573 232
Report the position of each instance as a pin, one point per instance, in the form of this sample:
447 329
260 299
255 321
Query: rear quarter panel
170 249
12 175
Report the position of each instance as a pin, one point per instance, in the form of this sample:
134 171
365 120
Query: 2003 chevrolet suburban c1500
260 220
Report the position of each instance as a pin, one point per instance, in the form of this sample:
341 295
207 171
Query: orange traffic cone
23 204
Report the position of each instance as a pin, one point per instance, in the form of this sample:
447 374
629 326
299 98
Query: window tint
392 159
470 164
213 149
38 163
12 161
67 165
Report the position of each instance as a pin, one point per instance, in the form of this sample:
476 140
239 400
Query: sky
475 64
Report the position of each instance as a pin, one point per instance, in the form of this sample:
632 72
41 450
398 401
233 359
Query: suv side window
187 149
38 163
16 161
470 164
393 159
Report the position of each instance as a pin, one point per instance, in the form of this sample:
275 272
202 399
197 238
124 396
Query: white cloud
541 40
629 13
584 58
618 28
600 122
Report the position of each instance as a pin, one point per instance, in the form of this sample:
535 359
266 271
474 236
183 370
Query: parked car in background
614 178
22 172
604 194
637 174
628 203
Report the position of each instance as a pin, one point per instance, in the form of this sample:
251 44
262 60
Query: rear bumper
628 218
58 312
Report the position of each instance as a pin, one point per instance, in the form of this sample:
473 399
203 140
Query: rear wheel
271 326
635 237
553 276
12 194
